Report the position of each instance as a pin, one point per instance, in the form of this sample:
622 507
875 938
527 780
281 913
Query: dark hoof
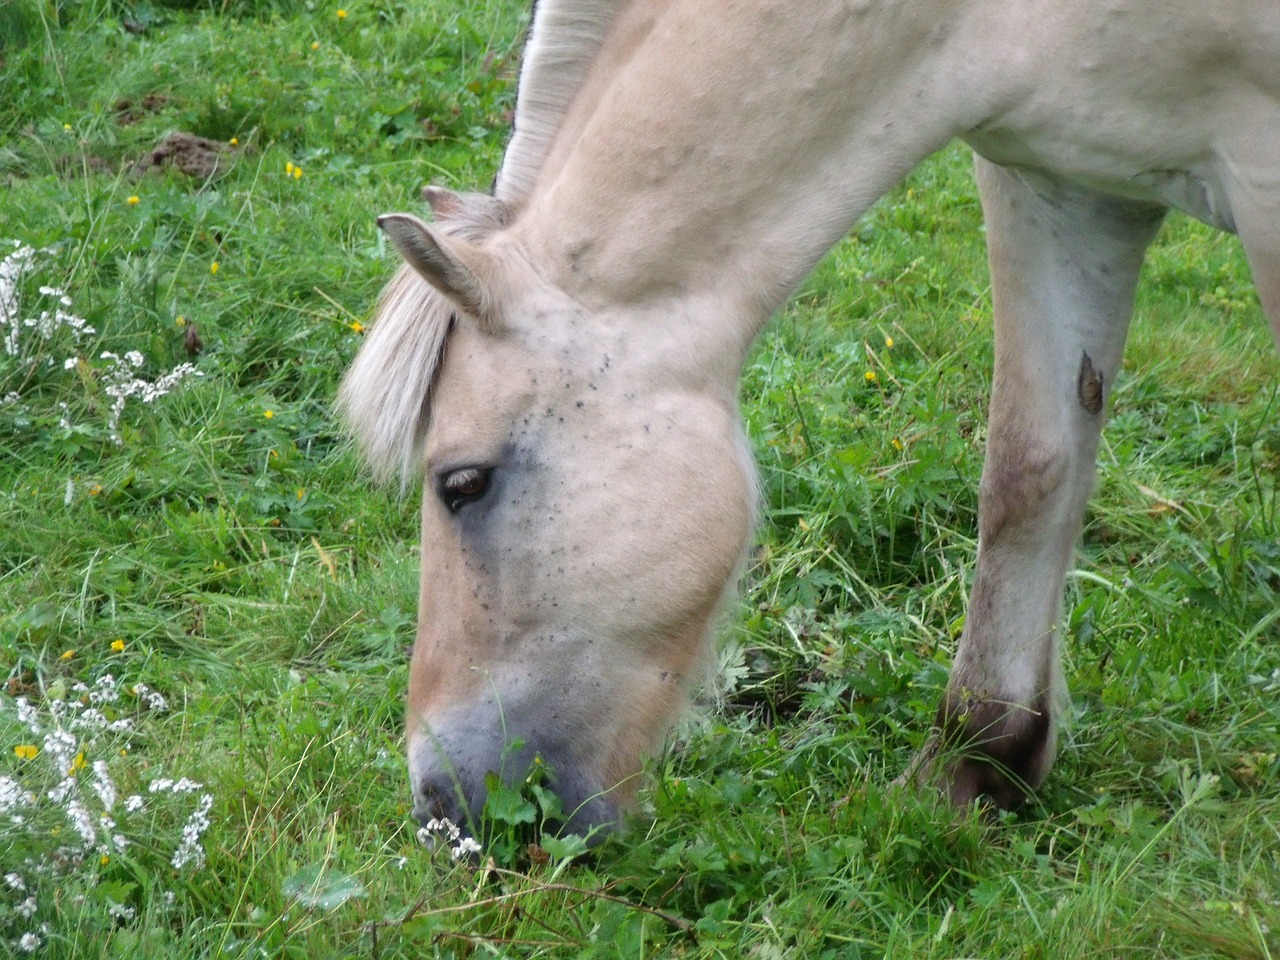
985 751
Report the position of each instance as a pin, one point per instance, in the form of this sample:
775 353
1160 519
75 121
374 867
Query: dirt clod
195 156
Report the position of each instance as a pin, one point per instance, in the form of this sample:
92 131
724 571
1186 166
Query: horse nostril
432 804
437 805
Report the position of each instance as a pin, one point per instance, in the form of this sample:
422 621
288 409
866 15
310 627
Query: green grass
254 578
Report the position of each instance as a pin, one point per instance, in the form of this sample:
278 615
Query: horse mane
385 396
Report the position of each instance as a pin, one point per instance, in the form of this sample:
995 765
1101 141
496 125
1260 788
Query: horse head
587 498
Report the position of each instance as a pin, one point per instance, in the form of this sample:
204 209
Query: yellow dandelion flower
356 326
66 127
124 751
315 45
342 14
95 490
26 751
180 322
213 267
301 493
897 444
888 342
133 201
117 645
67 654
870 376
297 173
268 414
234 141
288 169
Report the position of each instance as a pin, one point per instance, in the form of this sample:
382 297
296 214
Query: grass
229 554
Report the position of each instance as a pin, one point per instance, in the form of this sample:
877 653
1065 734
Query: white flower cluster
447 832
118 374
189 850
65 779
47 322
152 699
121 384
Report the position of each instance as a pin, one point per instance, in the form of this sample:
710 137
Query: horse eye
463 486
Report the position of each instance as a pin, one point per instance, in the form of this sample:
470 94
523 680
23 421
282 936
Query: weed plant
179 519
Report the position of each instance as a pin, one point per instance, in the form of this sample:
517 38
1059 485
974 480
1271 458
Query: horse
559 359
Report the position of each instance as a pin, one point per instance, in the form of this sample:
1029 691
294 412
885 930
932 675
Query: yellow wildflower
301 493
315 45
342 14
95 490
870 376
268 414
117 645
213 267
67 654
105 859
897 444
133 201
66 127
288 169
77 764
234 141
356 326
26 751
297 173
180 322
888 342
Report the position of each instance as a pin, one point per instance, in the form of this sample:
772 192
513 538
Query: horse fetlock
991 750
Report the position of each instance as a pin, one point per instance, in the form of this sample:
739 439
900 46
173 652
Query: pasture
205 604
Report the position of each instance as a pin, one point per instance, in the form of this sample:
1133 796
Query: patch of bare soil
129 112
195 156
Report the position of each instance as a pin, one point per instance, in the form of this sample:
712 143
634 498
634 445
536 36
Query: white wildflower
134 803
150 698
189 850
27 908
445 830
121 912
15 882
28 714
102 785
82 821
29 943
13 796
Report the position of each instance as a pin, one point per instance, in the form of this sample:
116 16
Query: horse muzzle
452 765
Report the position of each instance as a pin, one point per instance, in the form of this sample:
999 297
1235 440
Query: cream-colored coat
566 375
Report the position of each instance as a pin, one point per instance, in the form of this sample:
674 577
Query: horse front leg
1064 267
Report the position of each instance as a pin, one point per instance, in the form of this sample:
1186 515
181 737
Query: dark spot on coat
1089 386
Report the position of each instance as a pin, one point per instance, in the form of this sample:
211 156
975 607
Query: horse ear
444 203
459 270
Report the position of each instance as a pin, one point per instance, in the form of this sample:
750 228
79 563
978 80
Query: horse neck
738 141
